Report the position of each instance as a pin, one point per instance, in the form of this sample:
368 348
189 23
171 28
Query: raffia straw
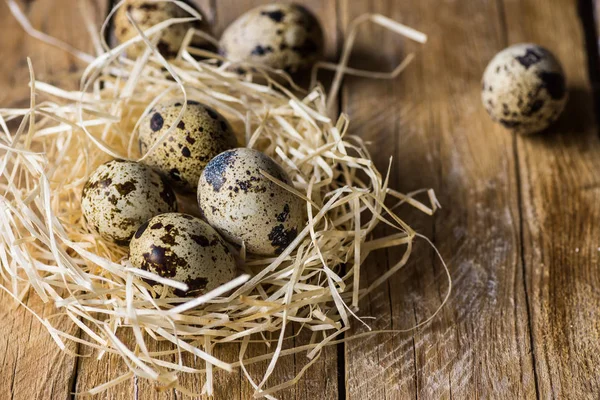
315 283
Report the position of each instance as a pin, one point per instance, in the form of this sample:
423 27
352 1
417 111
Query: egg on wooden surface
183 248
121 195
279 36
201 134
146 14
245 206
524 89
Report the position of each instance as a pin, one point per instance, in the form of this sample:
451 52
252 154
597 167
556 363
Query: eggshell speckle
524 89
279 36
201 134
183 248
146 14
244 205
121 195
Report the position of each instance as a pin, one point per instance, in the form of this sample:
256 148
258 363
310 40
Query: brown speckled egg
146 14
244 205
279 36
121 195
201 134
185 249
524 89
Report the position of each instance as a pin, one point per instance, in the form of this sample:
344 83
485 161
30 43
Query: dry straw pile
47 251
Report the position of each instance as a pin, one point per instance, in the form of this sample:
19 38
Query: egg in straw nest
284 171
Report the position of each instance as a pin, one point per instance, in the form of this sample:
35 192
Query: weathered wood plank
559 172
31 365
431 120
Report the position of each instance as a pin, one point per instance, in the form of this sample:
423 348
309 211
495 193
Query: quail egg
524 89
201 134
185 249
146 14
245 206
279 36
120 195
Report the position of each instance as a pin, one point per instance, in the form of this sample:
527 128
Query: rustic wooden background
519 227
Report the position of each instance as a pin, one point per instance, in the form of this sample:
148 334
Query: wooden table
518 228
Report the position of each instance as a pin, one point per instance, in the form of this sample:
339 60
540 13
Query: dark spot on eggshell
157 225
532 56
163 261
165 49
533 108
201 240
156 122
127 223
214 172
125 188
554 83
181 125
277 15
190 139
281 238
168 239
186 152
194 285
261 51
509 124
285 214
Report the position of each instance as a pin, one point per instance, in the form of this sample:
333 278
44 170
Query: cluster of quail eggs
192 148
277 36
134 204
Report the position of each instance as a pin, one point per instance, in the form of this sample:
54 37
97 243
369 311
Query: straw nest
45 245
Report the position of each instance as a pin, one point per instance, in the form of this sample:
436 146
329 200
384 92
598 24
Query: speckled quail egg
201 134
279 36
146 14
523 88
185 249
245 206
121 195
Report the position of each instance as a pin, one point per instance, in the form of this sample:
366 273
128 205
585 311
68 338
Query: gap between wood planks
520 211
587 15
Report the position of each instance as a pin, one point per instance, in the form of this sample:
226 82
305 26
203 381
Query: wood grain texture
31 365
517 229
560 184
432 120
